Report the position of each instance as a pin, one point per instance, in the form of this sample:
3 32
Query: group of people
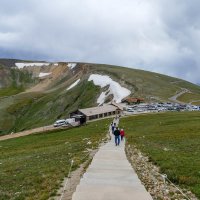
118 133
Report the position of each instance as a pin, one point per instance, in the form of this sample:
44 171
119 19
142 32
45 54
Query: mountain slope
45 97
13 81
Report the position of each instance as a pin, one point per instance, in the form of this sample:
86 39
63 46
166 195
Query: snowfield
43 74
102 98
73 85
71 65
115 88
22 65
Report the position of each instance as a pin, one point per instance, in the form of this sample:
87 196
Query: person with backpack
122 134
117 136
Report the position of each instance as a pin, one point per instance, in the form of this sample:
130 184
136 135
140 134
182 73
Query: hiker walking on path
110 128
113 127
110 175
122 134
117 136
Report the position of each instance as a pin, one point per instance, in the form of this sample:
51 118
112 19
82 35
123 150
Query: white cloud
154 35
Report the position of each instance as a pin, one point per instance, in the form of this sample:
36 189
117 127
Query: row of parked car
159 107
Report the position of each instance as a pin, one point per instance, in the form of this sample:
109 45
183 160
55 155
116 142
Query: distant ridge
29 99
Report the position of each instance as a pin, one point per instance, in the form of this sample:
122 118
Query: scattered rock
89 142
150 176
166 149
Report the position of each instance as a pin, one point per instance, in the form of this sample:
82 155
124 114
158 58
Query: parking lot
159 107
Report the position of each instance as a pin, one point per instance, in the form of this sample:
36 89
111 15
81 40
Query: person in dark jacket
117 136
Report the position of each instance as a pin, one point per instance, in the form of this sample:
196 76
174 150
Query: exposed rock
155 183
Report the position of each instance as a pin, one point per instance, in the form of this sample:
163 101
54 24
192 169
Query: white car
140 110
59 123
130 110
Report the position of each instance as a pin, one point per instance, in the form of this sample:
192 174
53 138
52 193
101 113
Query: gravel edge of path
150 176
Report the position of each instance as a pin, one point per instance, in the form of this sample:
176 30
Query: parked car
161 109
59 123
69 122
140 110
130 110
195 108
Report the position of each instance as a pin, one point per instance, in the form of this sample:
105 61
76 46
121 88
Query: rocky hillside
34 94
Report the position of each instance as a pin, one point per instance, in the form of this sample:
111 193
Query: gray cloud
161 36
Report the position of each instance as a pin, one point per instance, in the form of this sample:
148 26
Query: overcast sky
155 35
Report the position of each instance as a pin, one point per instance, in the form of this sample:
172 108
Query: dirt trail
174 98
28 132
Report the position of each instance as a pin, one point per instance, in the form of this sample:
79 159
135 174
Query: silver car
59 123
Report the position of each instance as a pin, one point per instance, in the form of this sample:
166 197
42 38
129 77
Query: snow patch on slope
22 65
73 85
43 74
102 98
115 88
71 65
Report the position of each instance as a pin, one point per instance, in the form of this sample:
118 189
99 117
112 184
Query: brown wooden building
131 100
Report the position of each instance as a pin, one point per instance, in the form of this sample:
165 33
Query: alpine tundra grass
189 97
171 141
33 167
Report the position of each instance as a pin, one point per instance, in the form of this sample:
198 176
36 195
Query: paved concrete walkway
110 177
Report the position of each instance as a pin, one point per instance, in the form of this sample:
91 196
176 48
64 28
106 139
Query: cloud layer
161 36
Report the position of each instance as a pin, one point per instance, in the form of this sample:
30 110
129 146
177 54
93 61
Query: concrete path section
110 177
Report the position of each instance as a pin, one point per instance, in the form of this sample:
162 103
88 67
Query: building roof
117 105
98 110
133 100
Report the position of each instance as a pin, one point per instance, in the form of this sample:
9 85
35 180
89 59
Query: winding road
174 98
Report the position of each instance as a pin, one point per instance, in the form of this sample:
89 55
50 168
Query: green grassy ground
142 83
188 97
148 84
196 103
14 81
171 140
11 106
30 110
32 167
10 91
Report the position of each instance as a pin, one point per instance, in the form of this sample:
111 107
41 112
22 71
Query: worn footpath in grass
171 140
32 167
